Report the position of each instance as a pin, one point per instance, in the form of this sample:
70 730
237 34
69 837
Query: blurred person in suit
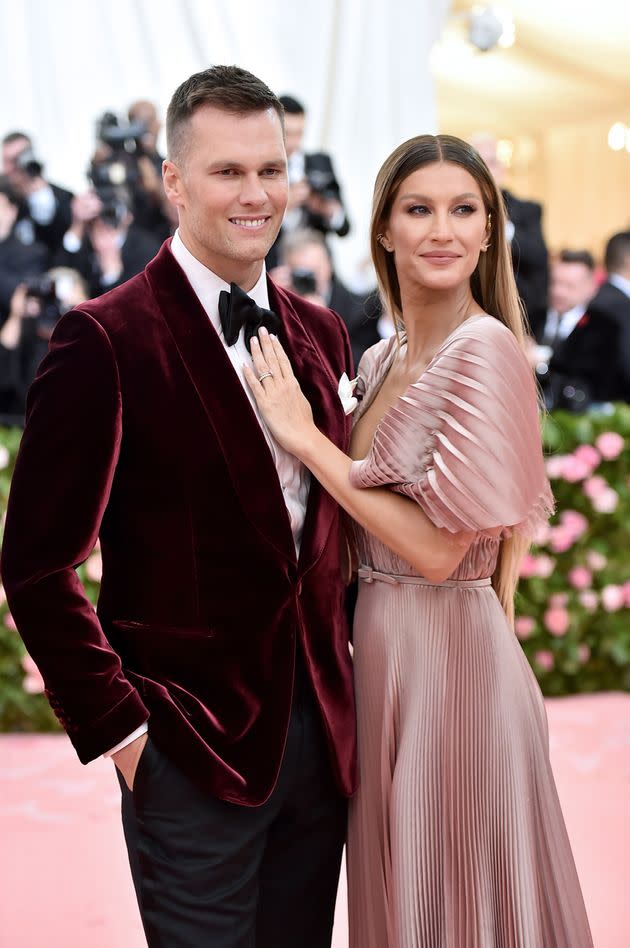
524 233
18 260
577 352
104 243
36 305
308 268
613 297
46 213
315 200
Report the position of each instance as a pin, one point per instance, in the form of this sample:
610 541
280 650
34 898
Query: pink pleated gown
456 836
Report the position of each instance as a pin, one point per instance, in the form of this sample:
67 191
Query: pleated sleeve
464 440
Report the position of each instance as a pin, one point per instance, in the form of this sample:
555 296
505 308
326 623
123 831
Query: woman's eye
419 209
465 209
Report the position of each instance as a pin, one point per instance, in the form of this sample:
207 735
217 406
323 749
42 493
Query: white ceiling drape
360 66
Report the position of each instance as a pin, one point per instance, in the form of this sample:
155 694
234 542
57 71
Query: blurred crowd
58 249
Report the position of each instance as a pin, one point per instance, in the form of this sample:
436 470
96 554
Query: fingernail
255 340
263 331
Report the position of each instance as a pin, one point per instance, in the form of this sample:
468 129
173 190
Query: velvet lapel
320 387
226 405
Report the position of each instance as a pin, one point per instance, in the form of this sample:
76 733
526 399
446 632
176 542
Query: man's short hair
291 105
16 137
577 256
617 254
228 88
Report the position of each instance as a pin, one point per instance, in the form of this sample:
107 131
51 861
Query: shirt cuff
139 731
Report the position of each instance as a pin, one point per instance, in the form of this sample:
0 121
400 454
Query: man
306 254
613 297
220 619
18 260
524 233
47 213
577 357
314 192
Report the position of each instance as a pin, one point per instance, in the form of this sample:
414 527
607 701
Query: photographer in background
577 355
17 259
36 305
308 270
126 156
103 243
315 200
45 215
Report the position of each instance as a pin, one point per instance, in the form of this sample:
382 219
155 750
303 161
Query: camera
28 162
320 176
43 289
303 281
120 136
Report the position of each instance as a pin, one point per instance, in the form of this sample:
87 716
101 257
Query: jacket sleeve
61 486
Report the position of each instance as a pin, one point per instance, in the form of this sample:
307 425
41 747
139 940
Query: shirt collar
568 321
207 285
620 282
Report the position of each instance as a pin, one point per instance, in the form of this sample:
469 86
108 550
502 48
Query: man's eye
271 172
227 172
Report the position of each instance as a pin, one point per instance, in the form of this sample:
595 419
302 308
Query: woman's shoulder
374 357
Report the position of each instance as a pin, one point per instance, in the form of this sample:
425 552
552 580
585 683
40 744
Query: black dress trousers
210 874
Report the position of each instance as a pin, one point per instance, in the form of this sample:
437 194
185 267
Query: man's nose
253 190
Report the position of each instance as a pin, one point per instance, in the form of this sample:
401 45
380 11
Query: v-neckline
383 372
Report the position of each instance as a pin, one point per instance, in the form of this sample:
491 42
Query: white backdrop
360 66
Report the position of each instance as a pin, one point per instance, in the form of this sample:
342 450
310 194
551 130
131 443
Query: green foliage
574 623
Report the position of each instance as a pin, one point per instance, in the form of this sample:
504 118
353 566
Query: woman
456 837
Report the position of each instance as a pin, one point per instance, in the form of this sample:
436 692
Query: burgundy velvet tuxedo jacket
138 431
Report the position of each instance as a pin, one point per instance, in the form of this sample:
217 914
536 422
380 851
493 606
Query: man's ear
173 183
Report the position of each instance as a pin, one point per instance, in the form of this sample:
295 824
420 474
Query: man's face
10 152
571 284
294 132
313 257
230 189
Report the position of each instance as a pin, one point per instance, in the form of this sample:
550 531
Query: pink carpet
64 880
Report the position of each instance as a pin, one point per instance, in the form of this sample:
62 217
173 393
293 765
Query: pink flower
574 523
524 626
544 566
610 445
596 560
575 469
584 653
544 659
561 540
580 577
589 600
559 599
94 567
33 682
606 502
588 454
542 534
555 466
613 598
557 621
594 486
528 566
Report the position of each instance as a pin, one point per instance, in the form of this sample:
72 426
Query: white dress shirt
620 282
559 326
293 476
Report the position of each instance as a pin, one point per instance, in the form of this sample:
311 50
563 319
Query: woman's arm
396 521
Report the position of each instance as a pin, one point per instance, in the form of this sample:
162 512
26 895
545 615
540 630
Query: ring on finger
265 375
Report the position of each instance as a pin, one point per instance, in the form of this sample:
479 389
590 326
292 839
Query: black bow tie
237 309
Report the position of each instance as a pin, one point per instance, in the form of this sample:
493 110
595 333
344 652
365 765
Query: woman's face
436 228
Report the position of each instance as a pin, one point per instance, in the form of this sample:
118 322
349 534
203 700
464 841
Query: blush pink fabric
456 835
